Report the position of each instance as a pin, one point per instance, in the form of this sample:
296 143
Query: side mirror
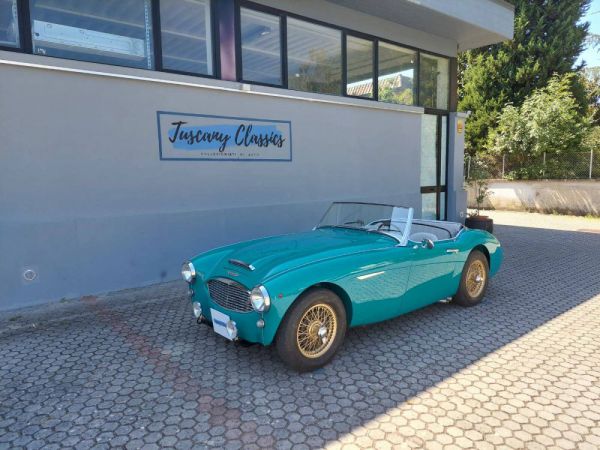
427 243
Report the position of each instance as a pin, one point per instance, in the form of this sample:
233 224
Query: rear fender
483 241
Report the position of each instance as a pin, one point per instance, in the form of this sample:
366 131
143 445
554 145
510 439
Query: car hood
272 256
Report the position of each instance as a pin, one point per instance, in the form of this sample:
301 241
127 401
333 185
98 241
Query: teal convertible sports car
362 264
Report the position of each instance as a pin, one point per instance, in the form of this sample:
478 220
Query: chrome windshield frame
406 233
402 241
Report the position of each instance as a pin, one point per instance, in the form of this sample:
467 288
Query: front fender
284 291
366 283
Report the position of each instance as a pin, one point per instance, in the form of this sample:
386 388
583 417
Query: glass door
434 146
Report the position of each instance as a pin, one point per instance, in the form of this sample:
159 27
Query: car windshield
394 221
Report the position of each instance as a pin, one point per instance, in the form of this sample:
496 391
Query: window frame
343 61
26 44
417 77
428 108
22 23
375 63
239 70
440 147
157 37
249 4
25 13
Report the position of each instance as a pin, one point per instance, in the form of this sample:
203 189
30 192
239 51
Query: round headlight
188 272
260 299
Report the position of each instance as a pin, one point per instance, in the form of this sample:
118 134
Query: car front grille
229 294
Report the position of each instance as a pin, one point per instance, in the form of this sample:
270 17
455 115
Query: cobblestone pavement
133 369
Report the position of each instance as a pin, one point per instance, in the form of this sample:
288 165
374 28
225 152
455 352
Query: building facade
136 133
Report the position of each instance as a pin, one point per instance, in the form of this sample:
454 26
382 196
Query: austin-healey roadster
363 263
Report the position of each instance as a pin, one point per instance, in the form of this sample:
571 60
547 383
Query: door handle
452 250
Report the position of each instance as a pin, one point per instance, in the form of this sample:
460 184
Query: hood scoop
245 265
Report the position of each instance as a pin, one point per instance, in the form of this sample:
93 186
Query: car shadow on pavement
134 369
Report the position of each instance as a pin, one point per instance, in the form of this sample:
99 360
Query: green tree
548 122
591 81
592 141
549 36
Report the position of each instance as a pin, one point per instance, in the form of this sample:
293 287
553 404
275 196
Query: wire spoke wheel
316 330
312 330
475 280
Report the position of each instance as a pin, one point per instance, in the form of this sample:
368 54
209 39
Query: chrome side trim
370 275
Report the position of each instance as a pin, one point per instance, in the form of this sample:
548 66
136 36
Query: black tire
287 340
470 292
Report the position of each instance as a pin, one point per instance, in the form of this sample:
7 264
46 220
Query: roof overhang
470 23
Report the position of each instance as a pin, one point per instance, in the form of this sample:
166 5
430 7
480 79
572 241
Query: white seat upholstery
420 236
436 230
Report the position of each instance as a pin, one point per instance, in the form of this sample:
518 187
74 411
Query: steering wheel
389 227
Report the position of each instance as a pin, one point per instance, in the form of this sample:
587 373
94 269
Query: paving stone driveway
132 369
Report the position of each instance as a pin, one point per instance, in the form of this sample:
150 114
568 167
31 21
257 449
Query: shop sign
183 136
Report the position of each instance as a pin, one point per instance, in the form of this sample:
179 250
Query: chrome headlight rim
188 271
260 299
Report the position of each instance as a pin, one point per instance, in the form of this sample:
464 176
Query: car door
431 275
378 284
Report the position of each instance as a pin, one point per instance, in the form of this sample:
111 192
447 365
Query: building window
443 206
359 67
429 150
434 81
434 135
279 50
443 149
111 31
260 36
314 55
9 24
186 36
429 206
396 76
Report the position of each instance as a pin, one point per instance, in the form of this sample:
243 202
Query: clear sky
592 55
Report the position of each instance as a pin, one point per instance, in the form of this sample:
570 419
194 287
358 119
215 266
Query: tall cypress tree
549 37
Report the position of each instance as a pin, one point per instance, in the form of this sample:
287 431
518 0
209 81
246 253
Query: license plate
219 321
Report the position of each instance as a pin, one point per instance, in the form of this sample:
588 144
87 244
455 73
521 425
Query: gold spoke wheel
476 278
316 330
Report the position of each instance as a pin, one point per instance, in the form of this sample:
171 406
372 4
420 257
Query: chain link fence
572 166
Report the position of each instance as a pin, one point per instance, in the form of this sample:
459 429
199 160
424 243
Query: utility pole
544 166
